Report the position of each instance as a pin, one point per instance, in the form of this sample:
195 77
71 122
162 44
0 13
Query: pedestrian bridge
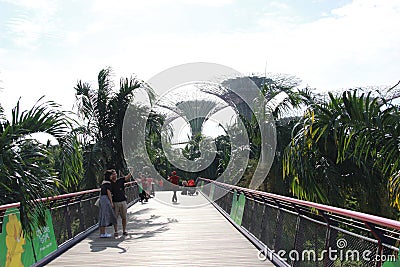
223 225
167 235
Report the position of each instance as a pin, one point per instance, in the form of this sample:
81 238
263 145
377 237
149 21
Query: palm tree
154 146
68 162
103 111
283 99
346 150
27 171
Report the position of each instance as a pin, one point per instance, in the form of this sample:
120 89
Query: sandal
125 233
115 234
105 235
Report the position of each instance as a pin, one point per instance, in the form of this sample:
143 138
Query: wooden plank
162 234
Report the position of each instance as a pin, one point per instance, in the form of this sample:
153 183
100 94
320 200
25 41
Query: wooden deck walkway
167 235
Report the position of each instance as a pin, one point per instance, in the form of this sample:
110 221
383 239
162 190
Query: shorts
120 209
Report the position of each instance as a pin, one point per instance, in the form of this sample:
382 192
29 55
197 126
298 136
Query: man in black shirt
119 199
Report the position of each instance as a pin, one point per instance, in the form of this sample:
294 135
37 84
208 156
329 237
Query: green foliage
154 144
192 149
223 152
103 111
27 168
68 160
283 99
349 143
274 181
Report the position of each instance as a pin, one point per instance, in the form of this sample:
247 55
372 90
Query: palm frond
27 166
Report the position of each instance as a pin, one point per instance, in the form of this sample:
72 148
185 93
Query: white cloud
73 37
125 6
34 21
3 52
214 3
34 80
44 5
279 5
356 45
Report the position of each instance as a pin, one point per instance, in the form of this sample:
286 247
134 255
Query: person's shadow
137 228
98 244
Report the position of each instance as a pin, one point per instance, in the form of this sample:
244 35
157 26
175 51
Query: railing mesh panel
248 214
258 213
220 200
269 226
228 202
71 216
286 232
310 243
305 235
348 249
58 214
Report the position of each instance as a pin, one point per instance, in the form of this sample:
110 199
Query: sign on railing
237 208
18 250
68 216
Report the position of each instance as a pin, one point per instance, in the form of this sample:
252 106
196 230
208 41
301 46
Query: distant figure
184 189
142 188
174 179
106 213
192 187
161 184
150 186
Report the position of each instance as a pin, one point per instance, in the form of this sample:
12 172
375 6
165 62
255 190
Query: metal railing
302 233
75 213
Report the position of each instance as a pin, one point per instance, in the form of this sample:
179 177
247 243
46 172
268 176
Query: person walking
119 199
142 182
174 180
106 213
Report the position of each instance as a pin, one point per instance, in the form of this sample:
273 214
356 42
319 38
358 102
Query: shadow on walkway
146 226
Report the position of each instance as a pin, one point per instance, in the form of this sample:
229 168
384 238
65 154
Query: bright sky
46 46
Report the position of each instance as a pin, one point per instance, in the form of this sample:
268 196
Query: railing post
278 227
68 219
228 200
296 237
250 223
260 222
379 236
264 224
327 236
82 225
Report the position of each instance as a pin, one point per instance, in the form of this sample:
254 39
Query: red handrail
69 195
339 211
